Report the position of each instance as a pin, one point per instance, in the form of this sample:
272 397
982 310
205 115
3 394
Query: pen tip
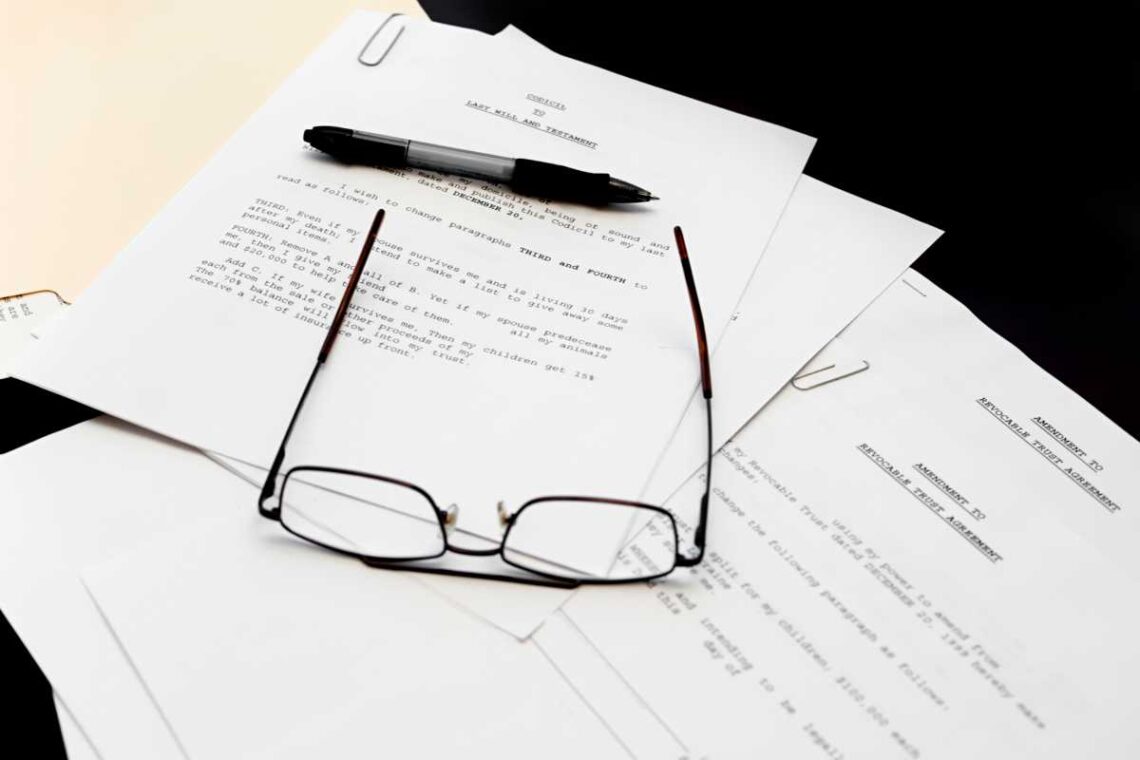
654 198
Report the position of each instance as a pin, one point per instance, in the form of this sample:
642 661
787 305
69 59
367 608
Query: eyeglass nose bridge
504 515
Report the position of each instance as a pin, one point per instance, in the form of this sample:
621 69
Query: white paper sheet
315 654
925 559
80 496
494 338
75 742
641 731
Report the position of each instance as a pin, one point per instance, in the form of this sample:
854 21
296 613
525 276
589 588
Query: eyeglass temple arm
270 486
706 391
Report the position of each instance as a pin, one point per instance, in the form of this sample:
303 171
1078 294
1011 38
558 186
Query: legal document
499 347
831 255
926 558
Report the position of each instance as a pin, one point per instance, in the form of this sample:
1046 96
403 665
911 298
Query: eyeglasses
561 541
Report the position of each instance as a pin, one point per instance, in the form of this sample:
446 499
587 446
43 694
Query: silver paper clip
59 298
376 60
846 370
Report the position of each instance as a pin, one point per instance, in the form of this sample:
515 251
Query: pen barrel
560 182
466 163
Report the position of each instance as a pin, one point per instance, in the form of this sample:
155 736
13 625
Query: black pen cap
355 147
325 133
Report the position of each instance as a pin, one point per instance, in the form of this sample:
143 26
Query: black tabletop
31 728
1015 132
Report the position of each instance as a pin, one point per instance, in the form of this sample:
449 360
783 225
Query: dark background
1014 131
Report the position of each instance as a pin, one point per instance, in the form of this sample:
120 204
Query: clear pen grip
466 163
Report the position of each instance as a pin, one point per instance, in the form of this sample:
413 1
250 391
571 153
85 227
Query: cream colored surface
110 107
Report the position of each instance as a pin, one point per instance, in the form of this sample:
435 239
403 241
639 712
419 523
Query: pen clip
376 60
828 374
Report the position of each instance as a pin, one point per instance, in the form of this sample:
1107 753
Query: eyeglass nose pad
504 515
451 516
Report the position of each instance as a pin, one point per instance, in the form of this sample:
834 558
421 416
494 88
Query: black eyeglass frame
444 517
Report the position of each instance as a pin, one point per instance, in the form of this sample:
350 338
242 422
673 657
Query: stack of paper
878 541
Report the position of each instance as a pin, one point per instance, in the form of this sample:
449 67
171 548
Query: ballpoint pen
525 176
